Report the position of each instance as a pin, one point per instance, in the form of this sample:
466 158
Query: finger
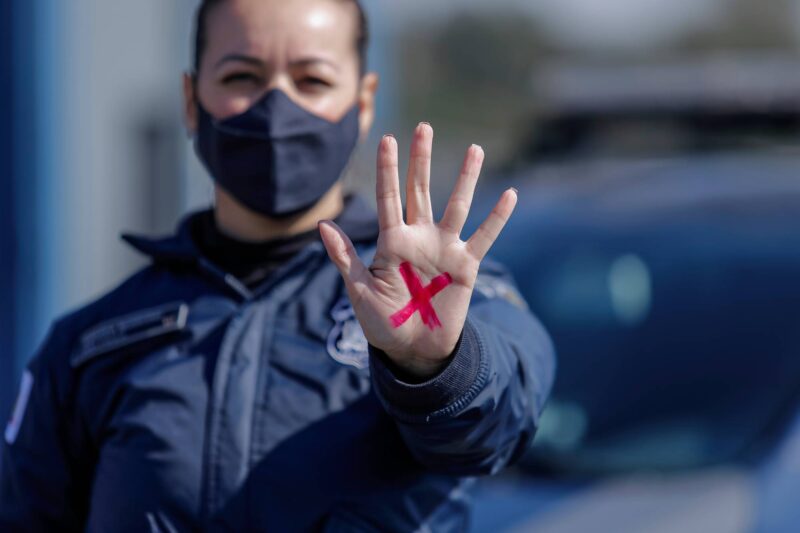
455 214
343 254
478 245
418 195
390 206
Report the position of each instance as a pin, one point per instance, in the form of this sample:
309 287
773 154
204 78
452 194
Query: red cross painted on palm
420 297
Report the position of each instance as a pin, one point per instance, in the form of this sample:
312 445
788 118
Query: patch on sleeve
12 428
346 341
494 287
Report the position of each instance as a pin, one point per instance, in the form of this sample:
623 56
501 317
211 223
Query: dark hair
200 32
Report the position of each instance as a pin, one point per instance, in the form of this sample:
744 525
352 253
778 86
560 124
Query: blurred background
656 149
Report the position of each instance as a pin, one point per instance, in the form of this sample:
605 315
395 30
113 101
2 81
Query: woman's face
305 48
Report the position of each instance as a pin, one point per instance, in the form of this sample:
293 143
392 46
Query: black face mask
276 158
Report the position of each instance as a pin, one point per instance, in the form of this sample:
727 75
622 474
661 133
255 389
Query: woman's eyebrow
240 58
308 61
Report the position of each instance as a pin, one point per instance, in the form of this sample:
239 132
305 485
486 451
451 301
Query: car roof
756 82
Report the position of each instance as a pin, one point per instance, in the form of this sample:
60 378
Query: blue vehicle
669 280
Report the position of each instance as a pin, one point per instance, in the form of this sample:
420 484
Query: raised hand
413 300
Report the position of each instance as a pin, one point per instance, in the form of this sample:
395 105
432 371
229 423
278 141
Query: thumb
341 251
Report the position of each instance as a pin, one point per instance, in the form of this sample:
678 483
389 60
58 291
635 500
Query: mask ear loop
212 185
199 107
352 177
196 98
193 74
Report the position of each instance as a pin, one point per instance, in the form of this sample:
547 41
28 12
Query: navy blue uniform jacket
184 401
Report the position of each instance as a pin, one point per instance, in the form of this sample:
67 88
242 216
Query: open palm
413 300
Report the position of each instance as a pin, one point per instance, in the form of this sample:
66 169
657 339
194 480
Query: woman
244 381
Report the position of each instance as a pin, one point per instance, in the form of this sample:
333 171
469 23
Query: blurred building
95 148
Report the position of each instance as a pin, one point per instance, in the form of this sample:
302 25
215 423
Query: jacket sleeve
38 487
481 412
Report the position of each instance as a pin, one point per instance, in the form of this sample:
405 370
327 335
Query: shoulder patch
346 341
131 329
14 423
495 287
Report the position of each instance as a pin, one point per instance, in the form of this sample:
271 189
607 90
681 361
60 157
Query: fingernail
515 190
425 123
388 135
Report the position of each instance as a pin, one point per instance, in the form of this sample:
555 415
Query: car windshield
655 132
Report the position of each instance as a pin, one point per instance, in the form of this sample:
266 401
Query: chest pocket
146 328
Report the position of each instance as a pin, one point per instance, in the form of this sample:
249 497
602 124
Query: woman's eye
314 83
240 77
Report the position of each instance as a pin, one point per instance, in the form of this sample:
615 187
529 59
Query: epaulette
131 330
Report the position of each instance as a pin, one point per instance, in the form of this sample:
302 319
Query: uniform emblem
493 287
12 428
346 341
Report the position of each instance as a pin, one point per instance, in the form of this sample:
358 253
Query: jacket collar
358 220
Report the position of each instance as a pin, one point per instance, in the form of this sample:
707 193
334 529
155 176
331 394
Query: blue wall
27 156
7 225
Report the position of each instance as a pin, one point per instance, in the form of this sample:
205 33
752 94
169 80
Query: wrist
460 375
416 370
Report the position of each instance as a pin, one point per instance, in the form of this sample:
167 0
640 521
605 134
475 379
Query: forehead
281 27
